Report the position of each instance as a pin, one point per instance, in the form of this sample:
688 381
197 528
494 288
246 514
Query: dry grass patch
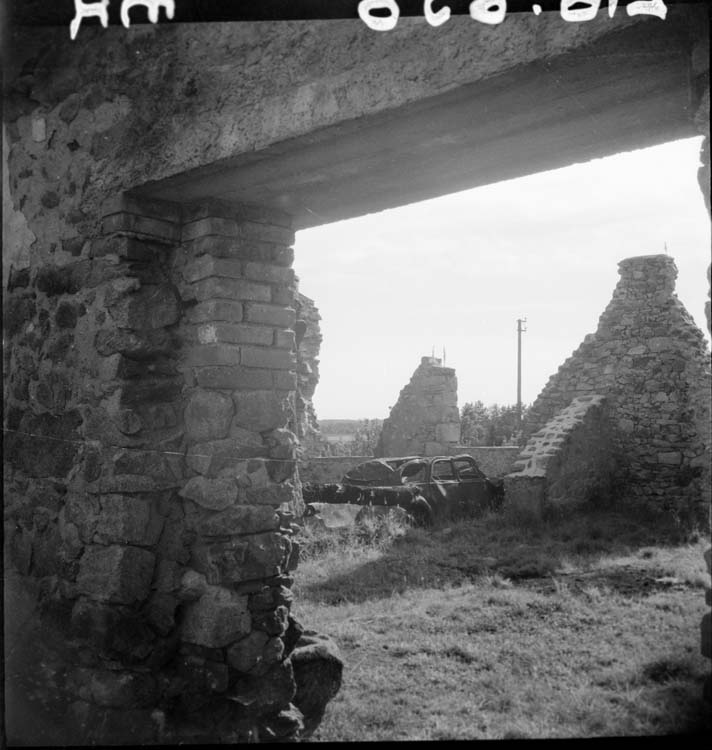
482 630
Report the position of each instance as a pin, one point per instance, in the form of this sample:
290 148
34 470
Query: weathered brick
207 208
285 381
283 256
235 377
219 247
210 225
284 339
126 222
215 310
271 315
267 233
283 296
277 359
232 289
206 265
269 273
228 333
212 354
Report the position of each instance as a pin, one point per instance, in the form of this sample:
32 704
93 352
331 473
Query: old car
428 488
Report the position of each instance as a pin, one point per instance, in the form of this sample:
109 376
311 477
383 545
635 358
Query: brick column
164 467
241 489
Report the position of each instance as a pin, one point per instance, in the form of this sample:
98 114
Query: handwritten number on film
484 11
100 9
494 11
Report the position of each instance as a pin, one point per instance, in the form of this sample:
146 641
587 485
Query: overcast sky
456 273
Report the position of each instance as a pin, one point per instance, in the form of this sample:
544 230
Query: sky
455 273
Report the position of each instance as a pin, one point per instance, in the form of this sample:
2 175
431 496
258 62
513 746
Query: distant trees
479 425
363 443
366 437
489 425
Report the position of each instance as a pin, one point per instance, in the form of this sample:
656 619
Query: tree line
490 425
479 425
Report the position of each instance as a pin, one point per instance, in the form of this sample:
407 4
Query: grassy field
492 629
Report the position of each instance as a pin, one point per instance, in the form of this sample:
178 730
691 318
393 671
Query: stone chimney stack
651 362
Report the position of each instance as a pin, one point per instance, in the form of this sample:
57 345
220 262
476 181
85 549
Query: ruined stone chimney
652 363
425 421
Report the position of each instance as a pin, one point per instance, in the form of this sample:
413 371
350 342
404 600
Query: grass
486 629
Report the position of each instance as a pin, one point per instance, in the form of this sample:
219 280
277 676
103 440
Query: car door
474 491
445 485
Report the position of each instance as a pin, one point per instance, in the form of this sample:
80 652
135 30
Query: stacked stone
652 363
101 430
307 427
493 460
242 491
425 420
569 462
152 385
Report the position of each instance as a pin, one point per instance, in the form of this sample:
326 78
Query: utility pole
521 328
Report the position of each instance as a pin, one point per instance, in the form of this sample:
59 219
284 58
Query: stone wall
651 362
146 404
569 462
495 461
327 469
425 420
308 343
150 478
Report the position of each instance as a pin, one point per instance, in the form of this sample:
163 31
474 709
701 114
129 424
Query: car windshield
414 471
443 471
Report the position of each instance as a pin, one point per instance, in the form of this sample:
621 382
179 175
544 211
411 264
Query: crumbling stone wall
151 481
308 343
569 462
652 363
114 479
425 420
494 460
